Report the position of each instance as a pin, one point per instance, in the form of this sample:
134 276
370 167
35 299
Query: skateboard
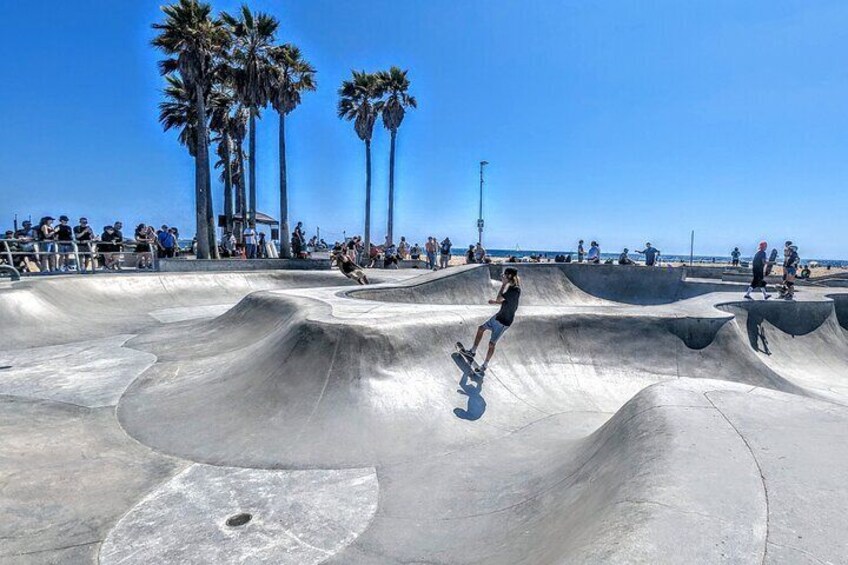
465 362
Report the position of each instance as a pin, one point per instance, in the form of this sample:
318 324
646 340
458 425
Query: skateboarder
350 269
507 297
759 264
790 270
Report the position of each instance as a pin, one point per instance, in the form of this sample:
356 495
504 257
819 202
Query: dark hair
512 274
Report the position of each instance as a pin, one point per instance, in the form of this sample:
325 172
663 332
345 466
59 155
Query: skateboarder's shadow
476 403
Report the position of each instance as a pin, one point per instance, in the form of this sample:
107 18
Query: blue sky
622 121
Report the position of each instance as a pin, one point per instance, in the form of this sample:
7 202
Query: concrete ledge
221 265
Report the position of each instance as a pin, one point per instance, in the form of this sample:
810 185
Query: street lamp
480 216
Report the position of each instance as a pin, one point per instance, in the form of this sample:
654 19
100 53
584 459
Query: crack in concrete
759 470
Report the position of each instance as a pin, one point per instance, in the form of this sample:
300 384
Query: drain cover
238 520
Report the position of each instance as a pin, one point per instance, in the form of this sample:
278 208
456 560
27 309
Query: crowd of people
59 247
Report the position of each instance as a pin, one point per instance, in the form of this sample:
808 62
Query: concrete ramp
630 415
546 284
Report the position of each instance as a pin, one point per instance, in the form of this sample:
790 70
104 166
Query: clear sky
622 121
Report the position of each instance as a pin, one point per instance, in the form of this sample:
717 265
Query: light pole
480 216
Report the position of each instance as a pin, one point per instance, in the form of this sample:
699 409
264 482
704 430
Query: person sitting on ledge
623 259
594 255
469 255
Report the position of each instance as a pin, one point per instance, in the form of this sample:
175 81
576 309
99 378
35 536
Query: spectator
250 240
624 259
580 251
403 248
594 255
166 242
445 253
65 241
469 255
84 236
734 257
109 247
650 253
479 253
143 240
390 257
47 239
430 249
262 250
415 253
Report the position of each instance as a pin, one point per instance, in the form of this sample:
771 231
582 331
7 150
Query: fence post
9 253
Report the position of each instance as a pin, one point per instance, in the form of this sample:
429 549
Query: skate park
630 415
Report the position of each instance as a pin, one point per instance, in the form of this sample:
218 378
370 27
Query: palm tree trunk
367 248
285 242
228 183
391 227
201 176
242 192
211 224
252 165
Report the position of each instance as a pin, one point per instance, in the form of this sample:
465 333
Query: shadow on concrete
471 387
757 333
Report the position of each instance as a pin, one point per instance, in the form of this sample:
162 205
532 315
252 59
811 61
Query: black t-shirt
347 267
759 262
509 306
83 233
64 233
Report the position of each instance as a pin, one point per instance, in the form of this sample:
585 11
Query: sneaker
767 296
748 297
467 353
481 372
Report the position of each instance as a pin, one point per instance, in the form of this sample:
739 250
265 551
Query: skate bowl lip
637 285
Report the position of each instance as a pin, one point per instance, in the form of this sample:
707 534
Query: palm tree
193 41
393 87
178 111
223 105
357 98
253 38
292 75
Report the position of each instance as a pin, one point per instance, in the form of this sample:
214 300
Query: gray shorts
496 328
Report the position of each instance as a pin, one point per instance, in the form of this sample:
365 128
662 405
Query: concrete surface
631 415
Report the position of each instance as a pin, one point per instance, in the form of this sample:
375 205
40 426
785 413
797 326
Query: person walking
759 280
508 298
650 253
445 254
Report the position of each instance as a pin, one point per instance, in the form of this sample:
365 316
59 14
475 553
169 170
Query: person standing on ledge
650 253
580 251
507 297
734 257
759 265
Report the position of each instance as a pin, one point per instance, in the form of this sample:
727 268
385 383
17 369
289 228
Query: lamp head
483 163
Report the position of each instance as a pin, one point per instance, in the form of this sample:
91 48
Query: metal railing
22 254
